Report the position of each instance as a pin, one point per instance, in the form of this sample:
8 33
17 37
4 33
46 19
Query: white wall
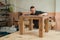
57 5
43 5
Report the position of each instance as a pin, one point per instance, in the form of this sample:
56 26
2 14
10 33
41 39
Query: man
39 13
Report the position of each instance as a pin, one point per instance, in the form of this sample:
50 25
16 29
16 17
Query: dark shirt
37 13
36 21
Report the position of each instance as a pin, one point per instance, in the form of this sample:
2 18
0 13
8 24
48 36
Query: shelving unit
4 13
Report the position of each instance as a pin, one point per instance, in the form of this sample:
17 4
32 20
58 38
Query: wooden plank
41 27
46 25
30 24
21 26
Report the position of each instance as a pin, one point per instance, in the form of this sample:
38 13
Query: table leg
46 25
41 27
30 24
21 25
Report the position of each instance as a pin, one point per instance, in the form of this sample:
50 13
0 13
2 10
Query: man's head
32 9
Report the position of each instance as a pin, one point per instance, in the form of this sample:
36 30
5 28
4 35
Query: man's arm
44 14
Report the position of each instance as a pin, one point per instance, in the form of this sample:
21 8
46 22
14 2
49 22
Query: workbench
31 18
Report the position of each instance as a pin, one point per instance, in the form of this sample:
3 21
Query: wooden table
41 23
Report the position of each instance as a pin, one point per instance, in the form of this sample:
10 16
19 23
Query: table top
33 16
30 16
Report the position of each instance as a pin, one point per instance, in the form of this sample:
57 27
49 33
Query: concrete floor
33 35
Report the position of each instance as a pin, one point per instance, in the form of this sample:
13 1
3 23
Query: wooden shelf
4 14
